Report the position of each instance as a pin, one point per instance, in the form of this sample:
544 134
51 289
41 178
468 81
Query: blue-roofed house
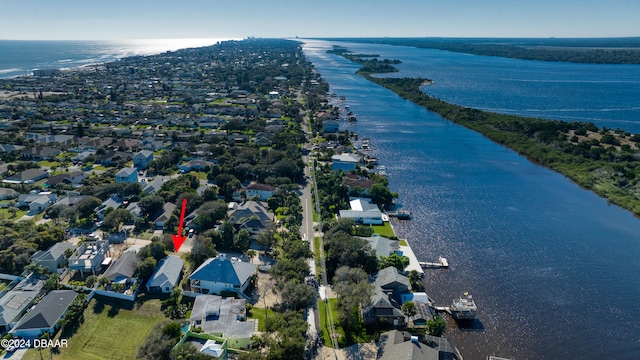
166 275
127 175
220 274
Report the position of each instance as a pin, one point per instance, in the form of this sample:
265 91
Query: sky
148 19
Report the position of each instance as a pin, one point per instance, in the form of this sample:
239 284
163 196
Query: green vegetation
384 230
100 334
598 51
604 161
259 315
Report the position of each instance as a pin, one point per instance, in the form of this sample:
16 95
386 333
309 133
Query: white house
220 274
363 212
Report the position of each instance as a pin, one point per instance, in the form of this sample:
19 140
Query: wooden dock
442 263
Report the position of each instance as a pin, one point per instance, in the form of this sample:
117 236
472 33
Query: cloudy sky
143 19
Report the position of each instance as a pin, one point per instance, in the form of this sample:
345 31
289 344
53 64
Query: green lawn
49 163
201 175
259 314
403 242
5 214
112 329
384 230
358 336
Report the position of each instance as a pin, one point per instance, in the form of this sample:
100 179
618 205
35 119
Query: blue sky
142 19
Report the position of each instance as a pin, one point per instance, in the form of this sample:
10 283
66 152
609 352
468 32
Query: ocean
553 268
19 58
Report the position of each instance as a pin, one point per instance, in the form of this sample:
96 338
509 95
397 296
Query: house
166 276
82 156
44 317
37 201
250 215
134 209
383 309
89 256
7 148
53 258
167 211
390 280
220 274
154 185
74 178
16 302
195 165
382 246
122 270
113 157
7 193
344 161
358 186
71 200
215 349
262 191
422 316
113 202
142 158
28 176
127 175
363 212
396 344
226 317
40 153
330 126
262 139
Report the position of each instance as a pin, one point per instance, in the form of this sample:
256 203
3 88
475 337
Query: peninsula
599 159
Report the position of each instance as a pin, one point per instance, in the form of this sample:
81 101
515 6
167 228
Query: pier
400 215
441 264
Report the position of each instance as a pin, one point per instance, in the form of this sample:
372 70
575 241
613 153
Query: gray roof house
166 275
382 245
383 308
44 316
154 185
14 303
363 212
222 274
53 258
396 344
28 176
389 279
225 316
142 158
250 215
7 193
122 270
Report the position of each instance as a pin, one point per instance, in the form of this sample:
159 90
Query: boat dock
442 263
443 308
400 215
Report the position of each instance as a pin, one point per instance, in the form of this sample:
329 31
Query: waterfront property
344 161
395 344
363 212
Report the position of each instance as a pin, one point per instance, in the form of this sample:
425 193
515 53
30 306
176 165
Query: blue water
608 95
18 58
553 268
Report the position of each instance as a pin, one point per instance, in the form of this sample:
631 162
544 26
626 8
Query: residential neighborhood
222 146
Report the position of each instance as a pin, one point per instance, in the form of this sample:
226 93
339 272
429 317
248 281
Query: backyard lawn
112 329
384 230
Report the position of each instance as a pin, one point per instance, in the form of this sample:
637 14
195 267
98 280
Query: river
552 267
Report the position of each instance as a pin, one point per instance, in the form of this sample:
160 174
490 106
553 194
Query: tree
381 195
210 213
415 279
409 309
90 281
146 268
398 261
202 249
52 282
86 206
354 292
297 296
436 326
151 205
114 219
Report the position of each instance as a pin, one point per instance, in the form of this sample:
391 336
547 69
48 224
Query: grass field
384 230
259 315
112 329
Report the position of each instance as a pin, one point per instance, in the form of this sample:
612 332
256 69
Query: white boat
464 308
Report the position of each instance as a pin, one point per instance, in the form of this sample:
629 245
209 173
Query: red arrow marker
178 239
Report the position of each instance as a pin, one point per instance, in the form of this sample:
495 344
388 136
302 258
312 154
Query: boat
352 118
403 215
464 308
